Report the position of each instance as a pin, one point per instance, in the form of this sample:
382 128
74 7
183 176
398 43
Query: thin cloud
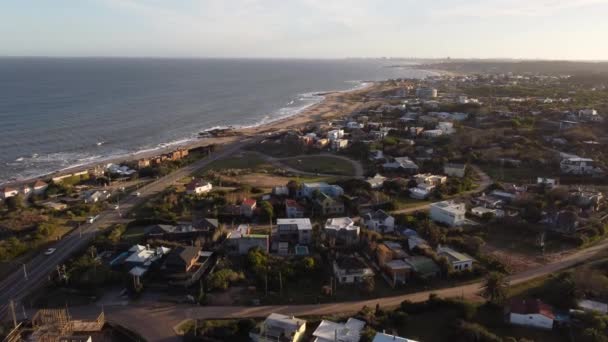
521 8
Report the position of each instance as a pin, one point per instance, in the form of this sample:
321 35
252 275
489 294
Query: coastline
331 104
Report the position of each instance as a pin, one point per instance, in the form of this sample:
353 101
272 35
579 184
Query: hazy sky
557 29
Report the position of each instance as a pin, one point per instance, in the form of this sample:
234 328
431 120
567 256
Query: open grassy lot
523 174
321 164
243 160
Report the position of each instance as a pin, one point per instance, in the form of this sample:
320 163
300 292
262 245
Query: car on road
116 207
137 194
92 218
50 251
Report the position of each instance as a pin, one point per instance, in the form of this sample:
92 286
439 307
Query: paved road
155 322
16 285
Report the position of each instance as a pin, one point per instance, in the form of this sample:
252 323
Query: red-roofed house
531 312
293 209
8 192
40 187
248 207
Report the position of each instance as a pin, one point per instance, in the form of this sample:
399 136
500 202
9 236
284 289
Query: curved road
156 322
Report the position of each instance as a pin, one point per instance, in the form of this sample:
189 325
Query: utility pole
12 307
25 272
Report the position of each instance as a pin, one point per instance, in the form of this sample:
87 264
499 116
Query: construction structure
55 325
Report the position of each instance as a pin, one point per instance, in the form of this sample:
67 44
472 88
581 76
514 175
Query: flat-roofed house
448 212
531 312
351 269
278 327
297 230
329 331
342 231
459 261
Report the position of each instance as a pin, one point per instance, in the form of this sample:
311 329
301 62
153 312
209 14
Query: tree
495 288
368 285
267 210
594 335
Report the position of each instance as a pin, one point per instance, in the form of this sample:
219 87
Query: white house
531 312
339 144
308 189
350 269
579 166
278 327
353 125
198 187
382 337
432 133
96 196
335 134
343 230
446 127
376 182
459 261
329 331
592 305
8 192
448 212
379 221
454 170
548 182
427 178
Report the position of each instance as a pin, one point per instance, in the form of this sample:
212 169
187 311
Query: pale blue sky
556 29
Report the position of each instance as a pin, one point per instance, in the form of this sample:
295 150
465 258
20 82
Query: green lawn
524 174
321 164
244 160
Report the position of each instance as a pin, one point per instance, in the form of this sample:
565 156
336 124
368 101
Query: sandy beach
334 104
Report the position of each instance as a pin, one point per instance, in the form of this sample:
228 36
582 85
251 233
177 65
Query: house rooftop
329 331
382 337
301 223
287 323
531 306
453 255
340 223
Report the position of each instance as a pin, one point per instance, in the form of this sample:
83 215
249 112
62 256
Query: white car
50 251
116 207
137 194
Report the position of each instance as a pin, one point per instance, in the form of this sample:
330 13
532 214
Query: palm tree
495 288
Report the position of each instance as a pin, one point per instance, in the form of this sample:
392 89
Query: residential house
423 266
483 212
376 182
427 178
335 134
183 231
329 331
96 196
415 241
448 212
379 221
382 337
241 241
574 165
432 133
293 209
401 164
587 199
547 182
247 207
328 205
308 190
459 261
294 230
398 271
143 256
278 327
198 187
446 127
280 191
8 192
593 306
420 193
426 93
39 187
339 144
531 312
321 143
351 269
564 221
342 231
488 201
454 170
182 259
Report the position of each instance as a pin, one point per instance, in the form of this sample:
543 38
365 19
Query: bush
222 279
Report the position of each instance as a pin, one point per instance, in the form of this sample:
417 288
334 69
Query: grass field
321 164
517 174
243 160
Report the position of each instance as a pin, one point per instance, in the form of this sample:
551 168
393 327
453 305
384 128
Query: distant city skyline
520 29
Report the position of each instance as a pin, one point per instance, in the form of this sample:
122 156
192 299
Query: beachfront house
8 192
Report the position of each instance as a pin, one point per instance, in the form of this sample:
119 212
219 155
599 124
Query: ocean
57 113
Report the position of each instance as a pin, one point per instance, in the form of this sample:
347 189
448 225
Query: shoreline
311 113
